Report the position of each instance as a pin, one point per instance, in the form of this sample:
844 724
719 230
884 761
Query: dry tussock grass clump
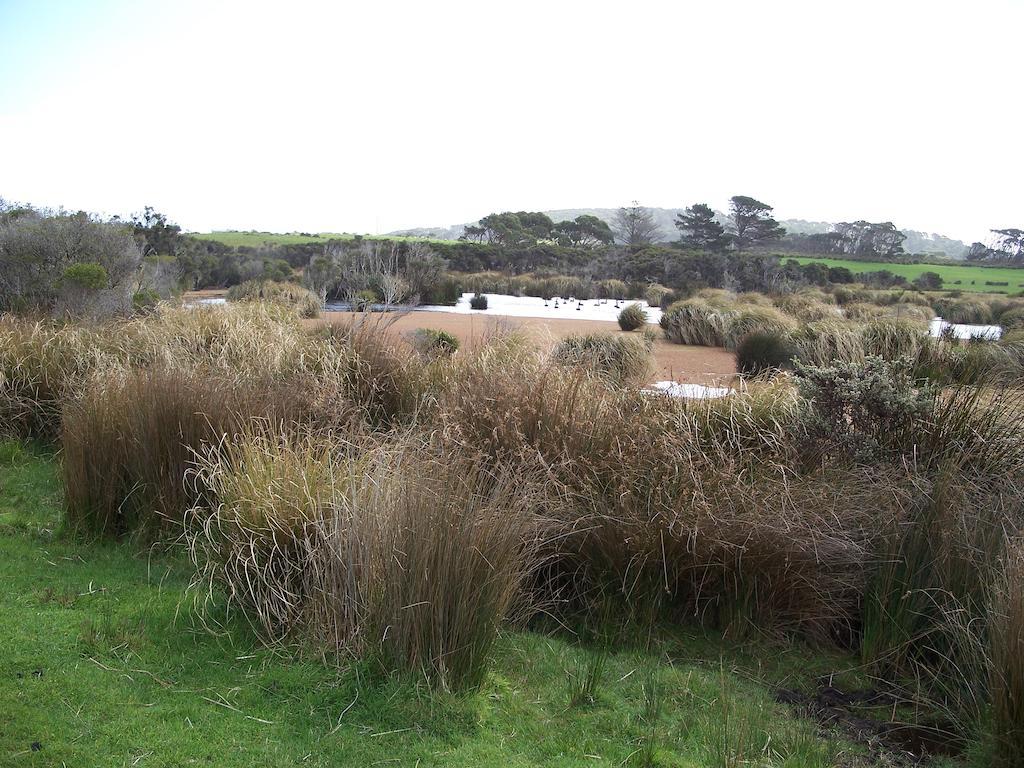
807 307
306 303
41 363
248 339
696 321
689 505
400 551
863 311
756 319
129 438
1006 651
380 375
827 341
893 339
620 360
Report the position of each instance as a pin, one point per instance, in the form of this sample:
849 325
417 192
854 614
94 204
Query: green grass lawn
965 278
105 664
255 239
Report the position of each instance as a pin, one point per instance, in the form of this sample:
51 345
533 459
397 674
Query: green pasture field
954 276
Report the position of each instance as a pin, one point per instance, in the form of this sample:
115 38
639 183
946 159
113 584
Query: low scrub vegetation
347 495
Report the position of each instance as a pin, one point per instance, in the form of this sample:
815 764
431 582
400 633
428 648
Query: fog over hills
916 242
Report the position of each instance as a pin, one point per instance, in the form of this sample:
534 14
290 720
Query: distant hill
916 242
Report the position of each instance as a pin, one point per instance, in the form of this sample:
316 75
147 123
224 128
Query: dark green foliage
752 223
583 232
929 281
763 351
512 229
699 229
479 301
144 299
632 317
88 276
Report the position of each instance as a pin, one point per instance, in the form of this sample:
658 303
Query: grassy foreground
954 276
103 665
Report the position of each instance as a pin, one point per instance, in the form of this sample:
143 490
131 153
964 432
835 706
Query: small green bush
431 342
144 299
364 300
85 276
11 452
632 317
763 351
478 302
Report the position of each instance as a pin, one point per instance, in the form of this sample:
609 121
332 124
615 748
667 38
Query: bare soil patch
710 366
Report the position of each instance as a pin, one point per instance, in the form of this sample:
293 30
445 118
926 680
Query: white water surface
533 306
964 330
690 391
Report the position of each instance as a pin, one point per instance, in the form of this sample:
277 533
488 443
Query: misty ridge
664 218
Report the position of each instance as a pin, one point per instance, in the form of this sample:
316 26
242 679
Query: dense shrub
363 301
861 410
632 317
763 351
479 301
85 276
72 263
618 359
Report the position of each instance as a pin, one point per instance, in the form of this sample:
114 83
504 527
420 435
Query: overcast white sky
375 116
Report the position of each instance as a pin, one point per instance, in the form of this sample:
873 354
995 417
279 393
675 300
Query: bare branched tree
635 226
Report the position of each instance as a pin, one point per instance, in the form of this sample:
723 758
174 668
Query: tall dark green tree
511 229
155 234
583 232
698 229
752 223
